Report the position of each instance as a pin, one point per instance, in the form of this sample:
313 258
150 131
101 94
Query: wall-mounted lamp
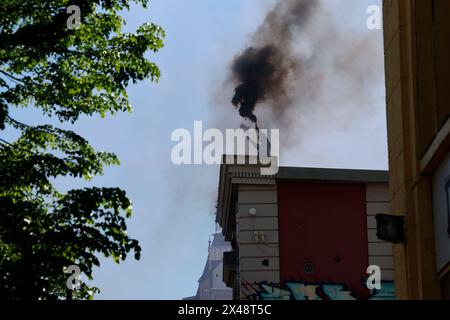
252 212
390 228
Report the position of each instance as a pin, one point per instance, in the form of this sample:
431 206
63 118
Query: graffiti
248 289
308 291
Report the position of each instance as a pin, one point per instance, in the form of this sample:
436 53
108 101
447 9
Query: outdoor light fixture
390 228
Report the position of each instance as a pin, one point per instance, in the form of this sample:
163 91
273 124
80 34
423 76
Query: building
304 233
417 51
210 284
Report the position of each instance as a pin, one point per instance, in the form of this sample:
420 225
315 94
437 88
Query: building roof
208 269
219 241
332 175
210 265
232 175
207 277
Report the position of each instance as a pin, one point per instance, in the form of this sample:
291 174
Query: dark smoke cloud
262 71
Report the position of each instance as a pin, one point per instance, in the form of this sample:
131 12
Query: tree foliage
65 73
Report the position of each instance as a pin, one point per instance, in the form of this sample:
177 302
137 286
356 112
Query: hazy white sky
342 126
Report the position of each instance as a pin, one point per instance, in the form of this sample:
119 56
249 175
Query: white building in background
210 284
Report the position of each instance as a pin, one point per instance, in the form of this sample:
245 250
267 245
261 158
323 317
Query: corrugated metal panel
262 210
374 208
254 197
377 192
380 249
259 264
249 251
258 224
257 277
248 237
384 262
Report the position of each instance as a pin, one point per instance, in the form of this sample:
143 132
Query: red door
323 234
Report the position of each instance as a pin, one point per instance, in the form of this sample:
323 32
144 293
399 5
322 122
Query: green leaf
65 74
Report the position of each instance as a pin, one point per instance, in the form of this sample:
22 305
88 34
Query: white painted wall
252 251
380 252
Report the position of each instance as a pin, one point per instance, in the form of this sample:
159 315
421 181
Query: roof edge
332 175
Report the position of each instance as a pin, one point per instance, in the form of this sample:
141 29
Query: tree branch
11 76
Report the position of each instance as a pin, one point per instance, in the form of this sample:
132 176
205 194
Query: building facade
417 51
304 233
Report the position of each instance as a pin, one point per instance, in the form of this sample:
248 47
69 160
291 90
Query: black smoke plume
262 71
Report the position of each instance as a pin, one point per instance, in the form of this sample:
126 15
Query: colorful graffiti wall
304 291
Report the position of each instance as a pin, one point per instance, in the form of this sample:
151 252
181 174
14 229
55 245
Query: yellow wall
417 51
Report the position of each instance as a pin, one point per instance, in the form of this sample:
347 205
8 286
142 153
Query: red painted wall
323 224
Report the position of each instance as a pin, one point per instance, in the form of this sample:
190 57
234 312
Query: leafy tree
64 72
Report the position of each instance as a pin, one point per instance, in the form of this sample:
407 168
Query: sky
341 125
